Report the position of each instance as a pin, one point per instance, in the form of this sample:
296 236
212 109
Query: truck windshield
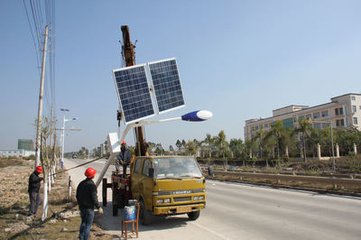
178 167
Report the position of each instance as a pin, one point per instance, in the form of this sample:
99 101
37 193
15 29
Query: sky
238 59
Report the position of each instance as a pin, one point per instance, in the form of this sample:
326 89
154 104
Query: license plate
183 209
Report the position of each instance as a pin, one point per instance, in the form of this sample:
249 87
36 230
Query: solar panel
133 92
166 83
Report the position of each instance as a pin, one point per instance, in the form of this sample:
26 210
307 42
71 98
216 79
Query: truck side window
138 163
146 167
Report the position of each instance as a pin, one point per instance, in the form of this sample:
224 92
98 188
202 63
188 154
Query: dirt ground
63 216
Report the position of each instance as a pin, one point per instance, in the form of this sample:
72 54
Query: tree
192 147
159 150
209 143
305 129
222 146
178 144
236 146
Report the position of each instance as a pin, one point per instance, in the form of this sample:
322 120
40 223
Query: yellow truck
163 185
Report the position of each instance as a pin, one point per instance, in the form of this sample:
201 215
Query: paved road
238 211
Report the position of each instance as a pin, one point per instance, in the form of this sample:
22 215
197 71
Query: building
16 153
26 144
342 112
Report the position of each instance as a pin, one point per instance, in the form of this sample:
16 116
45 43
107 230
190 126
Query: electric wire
32 36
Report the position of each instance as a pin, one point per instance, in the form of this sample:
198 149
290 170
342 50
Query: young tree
304 128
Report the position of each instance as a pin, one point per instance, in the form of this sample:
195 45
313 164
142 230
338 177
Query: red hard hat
90 172
39 169
123 142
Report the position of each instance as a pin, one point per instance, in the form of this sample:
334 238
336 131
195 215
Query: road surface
240 211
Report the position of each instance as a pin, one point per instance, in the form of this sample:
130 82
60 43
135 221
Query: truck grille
182 199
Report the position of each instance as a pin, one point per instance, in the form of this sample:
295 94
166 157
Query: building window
339 111
340 123
316 115
308 116
354 108
324 114
355 121
353 98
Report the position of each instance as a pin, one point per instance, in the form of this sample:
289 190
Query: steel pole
62 144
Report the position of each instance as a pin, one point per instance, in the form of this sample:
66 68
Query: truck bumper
171 210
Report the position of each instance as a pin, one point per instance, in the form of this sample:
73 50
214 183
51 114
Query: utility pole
40 106
129 58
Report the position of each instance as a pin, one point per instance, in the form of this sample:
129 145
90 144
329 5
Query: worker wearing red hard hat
123 158
86 195
33 190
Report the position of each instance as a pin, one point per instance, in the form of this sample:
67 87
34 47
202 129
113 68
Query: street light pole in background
63 136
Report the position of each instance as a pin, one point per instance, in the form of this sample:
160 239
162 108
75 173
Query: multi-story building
26 144
342 112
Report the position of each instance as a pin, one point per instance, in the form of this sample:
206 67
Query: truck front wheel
193 215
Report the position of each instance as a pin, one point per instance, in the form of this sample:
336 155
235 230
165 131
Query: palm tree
305 128
236 146
209 141
222 145
278 133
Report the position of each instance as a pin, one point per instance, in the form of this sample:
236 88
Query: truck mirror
151 172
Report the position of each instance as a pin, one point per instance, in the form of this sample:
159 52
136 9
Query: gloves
41 179
100 210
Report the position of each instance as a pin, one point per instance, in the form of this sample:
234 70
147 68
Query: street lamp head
64 110
197 116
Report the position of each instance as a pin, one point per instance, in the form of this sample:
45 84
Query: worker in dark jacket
33 190
86 195
123 158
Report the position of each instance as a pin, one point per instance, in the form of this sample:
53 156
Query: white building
16 153
343 111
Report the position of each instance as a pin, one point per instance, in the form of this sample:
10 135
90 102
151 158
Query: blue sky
238 59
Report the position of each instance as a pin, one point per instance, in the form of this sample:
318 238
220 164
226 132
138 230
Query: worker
33 190
86 195
123 158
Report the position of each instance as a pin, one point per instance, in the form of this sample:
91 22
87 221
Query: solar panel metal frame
121 101
154 87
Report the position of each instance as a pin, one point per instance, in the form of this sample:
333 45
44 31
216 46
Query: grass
14 203
11 161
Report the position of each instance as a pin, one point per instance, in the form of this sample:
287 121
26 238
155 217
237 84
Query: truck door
146 185
136 174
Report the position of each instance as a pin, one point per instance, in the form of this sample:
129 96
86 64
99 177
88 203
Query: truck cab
167 185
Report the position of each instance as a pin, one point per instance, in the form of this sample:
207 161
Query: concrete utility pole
129 58
40 106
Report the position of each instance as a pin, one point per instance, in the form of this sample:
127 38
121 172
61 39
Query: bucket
129 213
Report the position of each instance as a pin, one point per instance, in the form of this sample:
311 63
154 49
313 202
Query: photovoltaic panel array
166 83
133 92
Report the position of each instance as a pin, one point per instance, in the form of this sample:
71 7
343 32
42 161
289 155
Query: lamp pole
63 136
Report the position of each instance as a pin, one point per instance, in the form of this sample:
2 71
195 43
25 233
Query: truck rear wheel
145 215
193 215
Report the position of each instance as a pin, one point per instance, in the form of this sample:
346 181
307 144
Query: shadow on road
110 223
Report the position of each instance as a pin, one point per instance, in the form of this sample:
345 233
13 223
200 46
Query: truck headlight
163 200
197 198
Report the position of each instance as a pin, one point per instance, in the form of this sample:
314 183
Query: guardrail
353 185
